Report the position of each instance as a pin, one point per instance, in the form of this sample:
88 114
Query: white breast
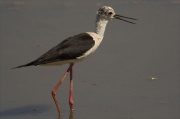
97 40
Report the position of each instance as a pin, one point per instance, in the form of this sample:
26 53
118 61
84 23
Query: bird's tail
19 66
25 65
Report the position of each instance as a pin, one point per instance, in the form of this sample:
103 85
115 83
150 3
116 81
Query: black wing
71 48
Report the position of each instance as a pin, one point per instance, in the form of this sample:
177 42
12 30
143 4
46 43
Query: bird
77 48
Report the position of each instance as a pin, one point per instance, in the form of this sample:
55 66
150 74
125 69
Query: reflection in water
71 116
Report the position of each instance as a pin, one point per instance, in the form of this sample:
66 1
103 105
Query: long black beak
120 18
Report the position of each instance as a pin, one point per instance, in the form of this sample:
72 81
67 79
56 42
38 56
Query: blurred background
134 74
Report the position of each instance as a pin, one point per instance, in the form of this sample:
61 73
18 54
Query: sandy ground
112 83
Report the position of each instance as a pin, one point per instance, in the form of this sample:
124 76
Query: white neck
100 26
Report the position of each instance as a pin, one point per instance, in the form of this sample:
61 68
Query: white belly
63 62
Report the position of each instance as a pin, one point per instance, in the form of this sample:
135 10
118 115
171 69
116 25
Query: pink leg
56 87
71 90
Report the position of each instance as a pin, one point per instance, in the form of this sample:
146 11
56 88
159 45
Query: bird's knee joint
53 93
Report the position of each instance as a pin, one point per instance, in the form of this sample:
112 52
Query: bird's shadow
25 110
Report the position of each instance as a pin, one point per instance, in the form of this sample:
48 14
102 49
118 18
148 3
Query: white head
107 13
104 14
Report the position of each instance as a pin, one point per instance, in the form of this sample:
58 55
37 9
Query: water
120 68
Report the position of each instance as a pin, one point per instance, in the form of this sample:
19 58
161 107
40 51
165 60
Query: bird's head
107 13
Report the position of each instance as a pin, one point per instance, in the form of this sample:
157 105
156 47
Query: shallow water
113 82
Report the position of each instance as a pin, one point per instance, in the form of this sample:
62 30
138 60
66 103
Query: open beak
116 16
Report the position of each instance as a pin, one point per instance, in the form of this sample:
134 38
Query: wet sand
113 82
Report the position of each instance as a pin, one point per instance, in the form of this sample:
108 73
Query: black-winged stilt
76 48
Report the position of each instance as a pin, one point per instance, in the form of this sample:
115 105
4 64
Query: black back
71 48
